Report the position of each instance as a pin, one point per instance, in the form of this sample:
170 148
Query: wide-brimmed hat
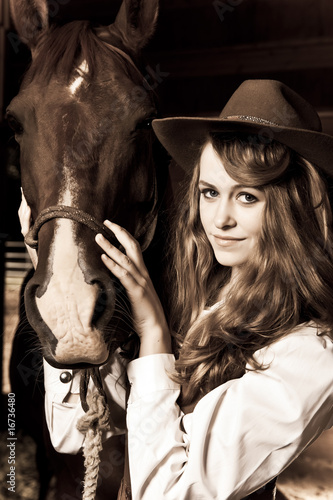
263 110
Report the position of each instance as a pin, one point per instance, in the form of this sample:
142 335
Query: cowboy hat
264 110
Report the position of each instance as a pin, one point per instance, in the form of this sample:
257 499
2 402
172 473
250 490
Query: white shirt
62 417
240 435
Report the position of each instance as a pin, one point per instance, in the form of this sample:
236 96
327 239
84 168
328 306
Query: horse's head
82 119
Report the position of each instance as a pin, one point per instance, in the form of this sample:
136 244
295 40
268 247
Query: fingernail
108 222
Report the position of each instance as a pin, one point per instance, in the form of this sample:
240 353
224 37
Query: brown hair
288 281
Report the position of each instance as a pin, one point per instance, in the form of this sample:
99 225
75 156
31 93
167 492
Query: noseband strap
64 212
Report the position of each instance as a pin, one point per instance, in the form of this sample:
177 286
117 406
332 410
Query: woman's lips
226 241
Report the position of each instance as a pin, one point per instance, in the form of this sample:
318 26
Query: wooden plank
4 14
247 58
4 23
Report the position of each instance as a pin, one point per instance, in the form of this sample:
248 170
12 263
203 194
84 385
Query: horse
83 119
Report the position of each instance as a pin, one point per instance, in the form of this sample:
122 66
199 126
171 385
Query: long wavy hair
288 281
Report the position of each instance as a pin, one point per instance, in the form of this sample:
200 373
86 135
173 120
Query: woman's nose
224 214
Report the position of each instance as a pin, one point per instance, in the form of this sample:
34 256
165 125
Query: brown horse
82 119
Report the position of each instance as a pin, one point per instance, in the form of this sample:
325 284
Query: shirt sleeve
62 417
240 435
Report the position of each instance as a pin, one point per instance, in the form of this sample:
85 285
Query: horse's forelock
60 48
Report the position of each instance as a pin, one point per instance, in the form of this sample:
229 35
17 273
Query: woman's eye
14 124
145 124
247 198
209 193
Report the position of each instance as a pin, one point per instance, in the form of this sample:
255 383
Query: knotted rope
92 424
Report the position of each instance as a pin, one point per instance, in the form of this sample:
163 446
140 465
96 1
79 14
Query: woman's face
231 214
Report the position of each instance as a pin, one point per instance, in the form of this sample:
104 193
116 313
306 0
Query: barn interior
200 53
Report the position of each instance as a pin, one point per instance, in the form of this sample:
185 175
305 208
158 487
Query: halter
66 212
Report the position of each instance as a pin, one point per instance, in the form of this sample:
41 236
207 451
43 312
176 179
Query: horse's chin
93 353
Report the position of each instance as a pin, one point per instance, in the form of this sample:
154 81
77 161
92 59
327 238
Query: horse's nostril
100 306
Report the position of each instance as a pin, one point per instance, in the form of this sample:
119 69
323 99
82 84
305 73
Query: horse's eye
145 124
14 124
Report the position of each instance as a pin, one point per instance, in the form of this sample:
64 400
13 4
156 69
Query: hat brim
184 137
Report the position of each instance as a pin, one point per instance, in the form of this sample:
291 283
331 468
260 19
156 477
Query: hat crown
262 111
271 103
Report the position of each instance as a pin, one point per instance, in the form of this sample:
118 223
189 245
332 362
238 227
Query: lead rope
125 492
95 421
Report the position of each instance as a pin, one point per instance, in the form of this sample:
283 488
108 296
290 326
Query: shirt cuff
149 374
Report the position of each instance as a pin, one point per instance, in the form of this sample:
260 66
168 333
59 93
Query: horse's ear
136 21
30 19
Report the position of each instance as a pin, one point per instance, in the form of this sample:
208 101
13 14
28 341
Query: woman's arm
61 413
63 408
240 435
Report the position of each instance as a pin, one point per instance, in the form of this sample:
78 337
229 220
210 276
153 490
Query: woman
251 303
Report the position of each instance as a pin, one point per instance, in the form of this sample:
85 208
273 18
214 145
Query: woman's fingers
130 244
119 263
24 216
125 277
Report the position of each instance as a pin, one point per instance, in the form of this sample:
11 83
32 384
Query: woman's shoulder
307 340
310 331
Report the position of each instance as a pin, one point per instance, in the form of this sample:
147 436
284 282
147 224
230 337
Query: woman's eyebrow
235 187
207 184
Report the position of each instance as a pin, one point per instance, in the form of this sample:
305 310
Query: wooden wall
211 47
203 49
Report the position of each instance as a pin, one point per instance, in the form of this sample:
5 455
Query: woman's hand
148 314
24 214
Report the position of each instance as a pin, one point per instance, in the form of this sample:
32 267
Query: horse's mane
61 46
